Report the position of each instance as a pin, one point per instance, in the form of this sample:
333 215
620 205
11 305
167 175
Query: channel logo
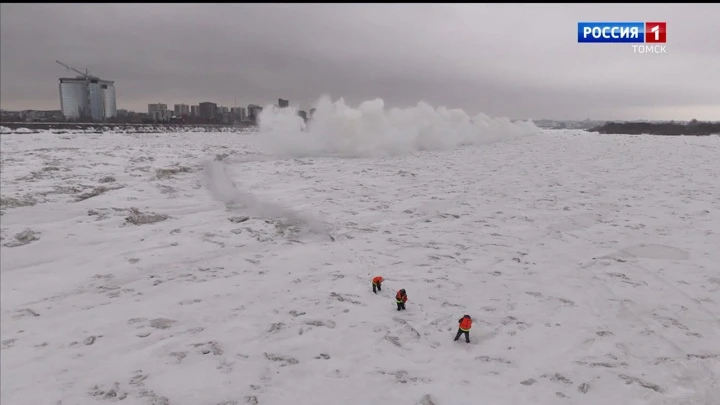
622 32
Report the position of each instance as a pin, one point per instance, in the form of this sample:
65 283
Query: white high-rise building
182 110
74 98
87 97
110 103
159 112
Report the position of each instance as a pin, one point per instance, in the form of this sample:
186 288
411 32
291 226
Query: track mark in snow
24 238
540 296
8 343
427 399
211 347
112 393
25 312
630 380
276 327
625 279
135 387
603 364
703 356
394 340
161 323
328 324
488 359
403 377
283 360
557 377
659 252
345 298
178 356
412 330
190 302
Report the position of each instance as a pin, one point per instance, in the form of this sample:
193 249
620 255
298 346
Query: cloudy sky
521 61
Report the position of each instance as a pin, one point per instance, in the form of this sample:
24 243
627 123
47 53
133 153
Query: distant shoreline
66 127
693 128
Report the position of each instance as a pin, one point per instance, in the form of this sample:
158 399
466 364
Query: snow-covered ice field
590 265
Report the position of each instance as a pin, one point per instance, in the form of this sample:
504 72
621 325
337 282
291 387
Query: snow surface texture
156 269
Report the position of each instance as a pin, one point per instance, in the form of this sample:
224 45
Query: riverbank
692 128
64 127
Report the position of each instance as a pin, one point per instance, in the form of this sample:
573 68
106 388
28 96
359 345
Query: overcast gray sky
516 60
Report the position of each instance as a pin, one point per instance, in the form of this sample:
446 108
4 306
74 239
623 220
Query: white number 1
656 30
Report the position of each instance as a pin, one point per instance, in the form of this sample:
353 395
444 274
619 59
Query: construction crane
85 75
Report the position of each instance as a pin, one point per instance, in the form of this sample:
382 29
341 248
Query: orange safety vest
399 297
465 324
377 280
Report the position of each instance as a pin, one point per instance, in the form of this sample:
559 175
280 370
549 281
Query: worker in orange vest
401 299
377 284
464 327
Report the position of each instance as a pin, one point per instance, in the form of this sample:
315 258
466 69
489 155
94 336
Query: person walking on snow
377 284
401 299
464 327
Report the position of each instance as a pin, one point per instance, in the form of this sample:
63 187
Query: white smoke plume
222 188
370 130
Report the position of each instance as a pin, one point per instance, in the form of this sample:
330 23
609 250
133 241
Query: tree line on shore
692 128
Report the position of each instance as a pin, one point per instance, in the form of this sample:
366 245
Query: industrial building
87 97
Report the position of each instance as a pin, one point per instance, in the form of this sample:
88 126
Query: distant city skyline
455 55
703 113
